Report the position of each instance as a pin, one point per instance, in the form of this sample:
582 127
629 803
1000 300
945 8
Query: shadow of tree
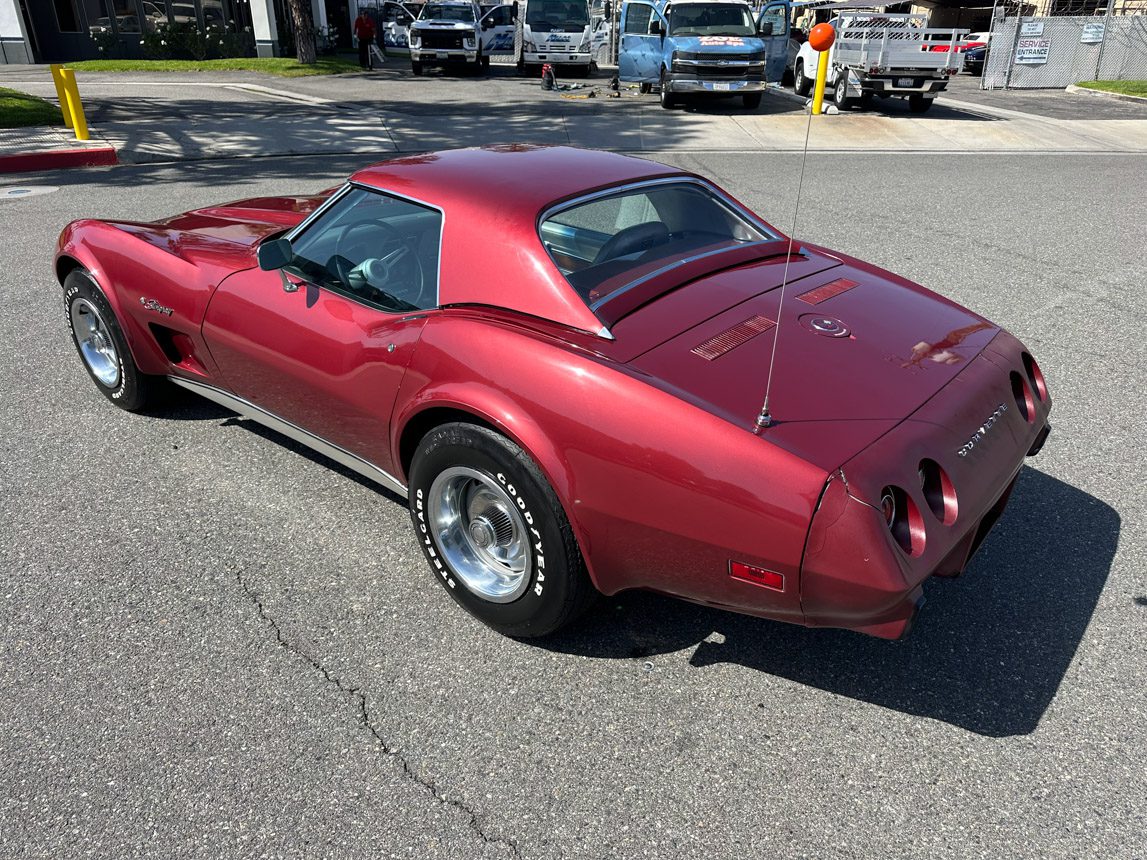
988 653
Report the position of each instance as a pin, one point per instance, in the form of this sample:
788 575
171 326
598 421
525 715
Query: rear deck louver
717 346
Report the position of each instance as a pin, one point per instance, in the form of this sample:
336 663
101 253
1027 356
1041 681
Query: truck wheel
494 532
840 93
667 100
416 68
919 104
484 62
801 84
751 100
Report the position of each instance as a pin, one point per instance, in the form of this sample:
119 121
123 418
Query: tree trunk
304 30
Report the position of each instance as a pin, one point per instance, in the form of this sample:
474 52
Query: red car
559 357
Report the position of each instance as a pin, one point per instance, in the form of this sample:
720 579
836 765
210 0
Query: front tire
667 100
802 85
102 346
495 533
840 93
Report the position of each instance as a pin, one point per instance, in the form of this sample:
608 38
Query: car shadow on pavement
987 654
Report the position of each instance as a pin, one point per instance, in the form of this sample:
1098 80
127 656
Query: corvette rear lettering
982 431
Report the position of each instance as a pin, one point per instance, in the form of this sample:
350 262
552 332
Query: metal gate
1063 50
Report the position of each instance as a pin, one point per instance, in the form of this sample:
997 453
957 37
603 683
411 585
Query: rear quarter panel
661 494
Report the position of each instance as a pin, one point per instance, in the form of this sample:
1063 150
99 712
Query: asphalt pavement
217 644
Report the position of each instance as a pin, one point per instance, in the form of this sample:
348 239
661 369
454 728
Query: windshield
606 243
447 13
557 15
710 19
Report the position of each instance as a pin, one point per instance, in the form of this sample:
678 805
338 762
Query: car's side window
637 18
375 248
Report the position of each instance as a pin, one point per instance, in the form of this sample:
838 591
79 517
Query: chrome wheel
96 344
481 534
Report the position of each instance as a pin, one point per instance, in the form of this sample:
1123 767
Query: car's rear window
609 241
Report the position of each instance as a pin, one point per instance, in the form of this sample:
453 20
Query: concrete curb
57 159
1103 94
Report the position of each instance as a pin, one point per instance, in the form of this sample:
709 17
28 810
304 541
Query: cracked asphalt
217 644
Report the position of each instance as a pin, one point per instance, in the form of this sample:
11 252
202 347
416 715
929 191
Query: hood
858 350
223 234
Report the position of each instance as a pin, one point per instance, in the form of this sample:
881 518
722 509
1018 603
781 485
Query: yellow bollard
821 77
821 38
79 121
61 93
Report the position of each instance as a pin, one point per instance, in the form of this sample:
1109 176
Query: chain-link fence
1058 51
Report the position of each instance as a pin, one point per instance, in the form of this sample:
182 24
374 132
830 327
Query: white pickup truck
878 54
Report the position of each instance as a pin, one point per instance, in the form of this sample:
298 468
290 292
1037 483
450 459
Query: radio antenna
765 418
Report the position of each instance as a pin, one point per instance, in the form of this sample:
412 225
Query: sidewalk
160 117
50 148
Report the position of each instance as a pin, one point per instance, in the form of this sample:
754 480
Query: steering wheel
388 264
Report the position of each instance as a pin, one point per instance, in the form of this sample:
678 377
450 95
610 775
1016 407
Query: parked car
563 375
975 58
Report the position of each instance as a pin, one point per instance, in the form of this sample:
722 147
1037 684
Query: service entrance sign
1032 52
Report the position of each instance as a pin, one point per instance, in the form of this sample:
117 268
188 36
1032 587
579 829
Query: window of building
67 16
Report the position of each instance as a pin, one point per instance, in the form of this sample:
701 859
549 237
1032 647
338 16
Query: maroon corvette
559 358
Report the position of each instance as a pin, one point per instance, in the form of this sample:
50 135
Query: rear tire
102 346
802 85
919 104
752 101
494 532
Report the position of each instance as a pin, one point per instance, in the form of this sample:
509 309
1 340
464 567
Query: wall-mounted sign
1092 34
1032 52
1031 28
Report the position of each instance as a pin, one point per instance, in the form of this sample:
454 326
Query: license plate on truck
905 82
722 87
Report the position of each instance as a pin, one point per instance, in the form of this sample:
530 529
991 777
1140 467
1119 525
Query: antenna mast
765 418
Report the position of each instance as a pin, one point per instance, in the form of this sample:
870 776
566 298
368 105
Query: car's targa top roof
519 177
492 197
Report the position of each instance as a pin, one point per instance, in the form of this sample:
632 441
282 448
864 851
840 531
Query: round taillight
1023 394
1035 376
939 493
903 520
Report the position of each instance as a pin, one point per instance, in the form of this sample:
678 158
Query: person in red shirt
364 32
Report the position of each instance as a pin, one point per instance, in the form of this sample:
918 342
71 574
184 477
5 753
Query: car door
394 26
639 58
497 29
324 342
776 45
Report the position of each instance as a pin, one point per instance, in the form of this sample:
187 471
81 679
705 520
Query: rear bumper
894 86
855 574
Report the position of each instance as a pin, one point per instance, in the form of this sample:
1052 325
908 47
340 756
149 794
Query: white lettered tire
102 346
494 532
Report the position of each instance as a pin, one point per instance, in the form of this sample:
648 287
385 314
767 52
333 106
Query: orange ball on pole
821 37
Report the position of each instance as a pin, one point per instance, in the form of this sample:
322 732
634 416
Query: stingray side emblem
982 431
153 305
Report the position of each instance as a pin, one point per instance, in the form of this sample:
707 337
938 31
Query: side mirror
486 25
275 254
765 29
656 28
